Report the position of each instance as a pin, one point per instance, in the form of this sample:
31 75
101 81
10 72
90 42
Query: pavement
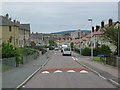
65 72
14 77
106 71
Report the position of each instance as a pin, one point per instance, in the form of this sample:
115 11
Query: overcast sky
47 17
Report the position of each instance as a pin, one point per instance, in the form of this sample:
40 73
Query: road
64 72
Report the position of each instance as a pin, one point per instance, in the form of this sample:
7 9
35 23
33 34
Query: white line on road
28 78
73 58
76 58
112 81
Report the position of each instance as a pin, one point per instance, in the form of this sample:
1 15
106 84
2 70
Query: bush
103 50
9 50
86 52
26 51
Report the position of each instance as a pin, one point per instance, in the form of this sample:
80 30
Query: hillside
69 31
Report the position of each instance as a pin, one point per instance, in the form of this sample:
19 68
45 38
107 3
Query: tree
8 50
52 43
72 45
86 52
112 35
104 50
67 34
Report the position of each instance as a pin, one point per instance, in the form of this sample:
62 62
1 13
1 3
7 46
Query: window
10 39
67 49
10 29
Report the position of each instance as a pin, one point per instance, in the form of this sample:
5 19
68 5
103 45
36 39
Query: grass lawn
96 59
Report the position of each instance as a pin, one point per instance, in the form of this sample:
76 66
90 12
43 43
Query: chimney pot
110 22
97 28
102 24
14 21
92 28
7 15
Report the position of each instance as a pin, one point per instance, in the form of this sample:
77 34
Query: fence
113 61
26 59
8 63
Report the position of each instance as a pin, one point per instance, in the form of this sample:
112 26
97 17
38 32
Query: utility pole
90 20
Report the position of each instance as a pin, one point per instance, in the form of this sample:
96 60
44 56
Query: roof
8 22
5 21
62 40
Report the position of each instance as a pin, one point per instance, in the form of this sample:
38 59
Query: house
95 39
14 32
77 34
10 31
37 39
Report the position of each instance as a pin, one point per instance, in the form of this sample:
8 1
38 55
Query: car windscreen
66 49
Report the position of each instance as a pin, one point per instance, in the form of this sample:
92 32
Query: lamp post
118 40
90 20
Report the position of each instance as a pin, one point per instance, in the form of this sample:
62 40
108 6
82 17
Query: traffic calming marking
60 70
57 71
83 71
45 72
70 71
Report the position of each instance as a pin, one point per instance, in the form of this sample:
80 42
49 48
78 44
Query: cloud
51 16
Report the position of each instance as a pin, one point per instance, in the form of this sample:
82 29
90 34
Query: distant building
37 39
77 34
14 32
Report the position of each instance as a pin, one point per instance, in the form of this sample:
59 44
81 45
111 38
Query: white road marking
57 71
73 58
83 71
70 71
45 72
23 86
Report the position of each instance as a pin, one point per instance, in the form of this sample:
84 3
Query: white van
67 51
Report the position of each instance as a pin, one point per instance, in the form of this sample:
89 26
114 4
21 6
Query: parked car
56 48
67 51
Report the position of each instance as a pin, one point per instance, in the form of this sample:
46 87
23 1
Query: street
64 72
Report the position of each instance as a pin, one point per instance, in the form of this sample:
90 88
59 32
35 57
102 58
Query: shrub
104 50
9 50
86 52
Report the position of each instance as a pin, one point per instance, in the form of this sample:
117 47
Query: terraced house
14 32
95 39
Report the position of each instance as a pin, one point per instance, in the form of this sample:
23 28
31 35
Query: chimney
10 19
92 28
7 15
102 24
14 21
18 22
97 28
110 22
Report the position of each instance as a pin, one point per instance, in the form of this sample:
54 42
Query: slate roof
7 22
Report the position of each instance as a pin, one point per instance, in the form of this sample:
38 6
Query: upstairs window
10 29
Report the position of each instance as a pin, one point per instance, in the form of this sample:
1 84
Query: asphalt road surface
64 72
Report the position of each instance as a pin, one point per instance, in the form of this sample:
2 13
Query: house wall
6 34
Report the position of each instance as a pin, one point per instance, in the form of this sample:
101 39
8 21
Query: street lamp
118 40
90 20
